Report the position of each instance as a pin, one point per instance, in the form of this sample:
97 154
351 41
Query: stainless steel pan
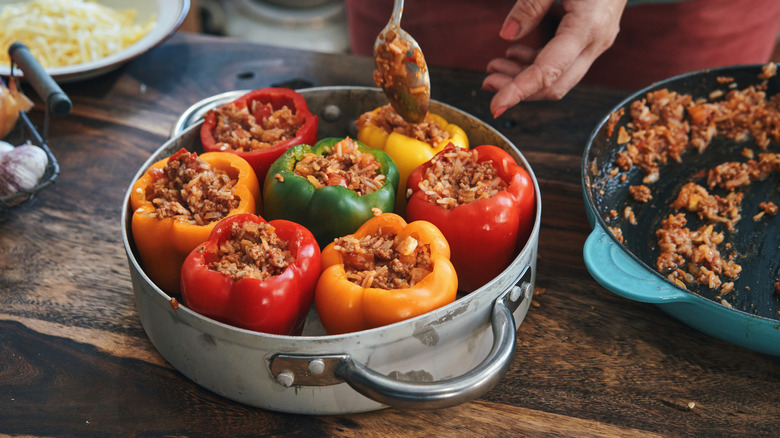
445 357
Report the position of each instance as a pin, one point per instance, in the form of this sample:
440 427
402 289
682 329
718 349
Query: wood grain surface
75 361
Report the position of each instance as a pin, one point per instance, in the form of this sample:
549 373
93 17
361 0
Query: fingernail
498 112
510 29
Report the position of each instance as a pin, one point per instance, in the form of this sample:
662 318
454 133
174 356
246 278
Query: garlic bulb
21 168
5 147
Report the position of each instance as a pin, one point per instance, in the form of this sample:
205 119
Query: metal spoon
401 70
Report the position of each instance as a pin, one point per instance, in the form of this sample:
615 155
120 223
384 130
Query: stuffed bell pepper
259 126
254 274
387 271
408 144
177 202
482 201
331 188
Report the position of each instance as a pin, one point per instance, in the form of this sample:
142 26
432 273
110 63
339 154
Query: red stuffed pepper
482 201
259 126
254 274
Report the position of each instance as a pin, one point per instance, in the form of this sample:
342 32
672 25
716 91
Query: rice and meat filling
427 131
733 174
455 177
711 208
698 250
238 129
254 250
666 124
385 261
391 61
343 165
190 190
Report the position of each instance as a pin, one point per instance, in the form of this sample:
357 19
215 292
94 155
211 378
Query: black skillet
748 314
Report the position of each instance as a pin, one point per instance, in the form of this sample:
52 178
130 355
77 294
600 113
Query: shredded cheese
68 32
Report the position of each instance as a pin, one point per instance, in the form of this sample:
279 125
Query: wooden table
74 359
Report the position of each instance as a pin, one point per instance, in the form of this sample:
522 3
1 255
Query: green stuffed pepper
331 188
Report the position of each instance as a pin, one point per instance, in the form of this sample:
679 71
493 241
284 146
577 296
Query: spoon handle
398 9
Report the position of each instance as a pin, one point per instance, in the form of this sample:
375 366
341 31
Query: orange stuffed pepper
177 203
387 271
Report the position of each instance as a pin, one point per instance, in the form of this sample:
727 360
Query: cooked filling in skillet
712 208
455 177
385 261
766 208
698 250
641 193
258 126
427 131
344 165
189 189
664 125
252 251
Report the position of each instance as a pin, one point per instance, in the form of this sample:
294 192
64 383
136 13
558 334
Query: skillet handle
334 369
618 272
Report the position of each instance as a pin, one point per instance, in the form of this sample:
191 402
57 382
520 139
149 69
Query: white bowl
169 16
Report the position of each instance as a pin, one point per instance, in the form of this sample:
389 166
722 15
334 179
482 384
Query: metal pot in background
318 25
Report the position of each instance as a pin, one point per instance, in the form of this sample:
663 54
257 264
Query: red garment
451 33
656 41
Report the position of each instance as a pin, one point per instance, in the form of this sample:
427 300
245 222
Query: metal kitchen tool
407 86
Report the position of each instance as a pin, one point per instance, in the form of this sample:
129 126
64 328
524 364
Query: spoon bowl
401 70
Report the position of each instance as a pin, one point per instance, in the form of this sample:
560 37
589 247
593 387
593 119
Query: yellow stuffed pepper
408 144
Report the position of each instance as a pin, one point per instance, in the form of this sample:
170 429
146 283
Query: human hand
586 30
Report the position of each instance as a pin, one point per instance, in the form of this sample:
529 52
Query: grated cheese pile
68 32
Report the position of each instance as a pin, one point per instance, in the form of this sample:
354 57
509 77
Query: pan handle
617 271
57 102
326 370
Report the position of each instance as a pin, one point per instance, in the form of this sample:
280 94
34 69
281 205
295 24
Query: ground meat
190 190
665 124
455 177
385 261
427 131
697 199
254 250
697 250
259 126
617 232
342 165
657 131
768 207
732 174
641 193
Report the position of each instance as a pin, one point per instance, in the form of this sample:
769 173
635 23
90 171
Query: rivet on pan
517 291
316 366
285 378
331 113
